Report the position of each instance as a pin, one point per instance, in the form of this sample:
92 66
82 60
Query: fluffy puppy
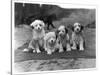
77 37
50 42
63 38
38 35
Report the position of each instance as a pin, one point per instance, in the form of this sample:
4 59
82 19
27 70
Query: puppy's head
77 27
51 38
38 25
52 41
62 30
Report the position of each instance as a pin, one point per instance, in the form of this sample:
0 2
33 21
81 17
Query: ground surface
27 62
54 64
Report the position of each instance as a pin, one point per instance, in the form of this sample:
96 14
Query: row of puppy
55 40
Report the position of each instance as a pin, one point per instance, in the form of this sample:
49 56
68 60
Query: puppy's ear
56 32
32 25
72 28
43 23
56 36
82 27
66 30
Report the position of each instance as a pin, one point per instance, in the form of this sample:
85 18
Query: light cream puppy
77 37
63 38
38 35
50 44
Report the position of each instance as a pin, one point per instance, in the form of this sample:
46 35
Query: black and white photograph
51 37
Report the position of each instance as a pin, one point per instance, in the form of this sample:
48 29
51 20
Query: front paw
34 51
81 49
68 49
74 48
46 49
49 52
53 50
38 51
61 50
26 50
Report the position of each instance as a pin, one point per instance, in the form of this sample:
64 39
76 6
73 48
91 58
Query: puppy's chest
38 36
77 38
62 40
51 46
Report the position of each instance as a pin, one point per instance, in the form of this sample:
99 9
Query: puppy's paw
46 49
26 50
34 51
53 50
74 48
81 49
49 52
38 51
68 49
61 50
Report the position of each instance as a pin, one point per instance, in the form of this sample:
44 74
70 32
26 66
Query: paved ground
26 62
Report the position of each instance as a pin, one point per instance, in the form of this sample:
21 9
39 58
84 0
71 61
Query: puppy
50 42
63 38
38 35
77 37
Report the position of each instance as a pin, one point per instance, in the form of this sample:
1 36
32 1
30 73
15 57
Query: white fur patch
37 22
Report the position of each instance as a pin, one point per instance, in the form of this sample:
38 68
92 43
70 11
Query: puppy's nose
51 40
60 34
77 29
39 28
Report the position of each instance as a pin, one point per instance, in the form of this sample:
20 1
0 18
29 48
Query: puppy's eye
62 31
35 25
79 26
40 25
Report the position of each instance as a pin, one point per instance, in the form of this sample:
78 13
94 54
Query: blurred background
25 13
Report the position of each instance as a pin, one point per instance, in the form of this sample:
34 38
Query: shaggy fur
77 37
38 35
50 42
63 38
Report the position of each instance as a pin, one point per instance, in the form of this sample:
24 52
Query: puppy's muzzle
39 29
77 29
61 33
52 41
